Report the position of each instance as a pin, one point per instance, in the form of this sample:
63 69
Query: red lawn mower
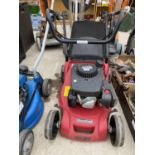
86 101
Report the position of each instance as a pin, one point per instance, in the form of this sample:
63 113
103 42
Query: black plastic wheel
46 87
116 130
52 124
26 140
62 73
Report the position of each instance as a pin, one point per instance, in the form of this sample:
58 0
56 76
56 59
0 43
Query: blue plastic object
22 80
33 106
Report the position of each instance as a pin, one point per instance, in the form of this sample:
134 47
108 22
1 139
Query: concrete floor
49 67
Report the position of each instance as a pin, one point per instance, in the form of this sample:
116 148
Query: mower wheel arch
26 140
52 124
46 87
116 129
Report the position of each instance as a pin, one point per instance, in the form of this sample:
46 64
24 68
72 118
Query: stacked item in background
101 6
34 10
36 16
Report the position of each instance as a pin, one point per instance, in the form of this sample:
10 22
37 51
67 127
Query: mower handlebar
51 16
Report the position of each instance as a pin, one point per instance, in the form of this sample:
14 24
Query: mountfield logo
86 121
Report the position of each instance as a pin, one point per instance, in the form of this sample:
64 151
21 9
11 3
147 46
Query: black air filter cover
87 70
86 79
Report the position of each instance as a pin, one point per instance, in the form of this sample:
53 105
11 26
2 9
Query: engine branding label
87 68
66 90
86 121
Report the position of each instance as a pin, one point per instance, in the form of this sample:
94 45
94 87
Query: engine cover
86 79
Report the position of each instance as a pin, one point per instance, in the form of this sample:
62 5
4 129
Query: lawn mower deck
33 106
80 123
32 88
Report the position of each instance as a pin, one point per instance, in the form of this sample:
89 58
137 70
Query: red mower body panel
80 123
